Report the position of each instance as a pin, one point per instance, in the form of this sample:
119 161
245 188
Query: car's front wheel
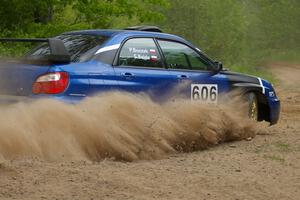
252 105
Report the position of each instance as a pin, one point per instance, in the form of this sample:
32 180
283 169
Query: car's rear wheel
252 105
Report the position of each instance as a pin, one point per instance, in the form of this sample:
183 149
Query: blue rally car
77 64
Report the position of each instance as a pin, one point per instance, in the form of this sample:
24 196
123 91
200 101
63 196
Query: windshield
79 46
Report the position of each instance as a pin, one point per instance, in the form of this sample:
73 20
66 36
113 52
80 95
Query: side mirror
219 66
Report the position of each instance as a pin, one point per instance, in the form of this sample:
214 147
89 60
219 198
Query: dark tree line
234 31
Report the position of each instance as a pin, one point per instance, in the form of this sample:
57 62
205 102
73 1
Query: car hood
235 77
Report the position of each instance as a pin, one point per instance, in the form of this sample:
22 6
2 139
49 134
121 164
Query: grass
274 158
256 63
290 56
278 146
283 147
254 71
268 151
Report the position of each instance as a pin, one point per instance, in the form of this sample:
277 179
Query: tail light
51 83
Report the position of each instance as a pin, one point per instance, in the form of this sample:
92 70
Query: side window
180 56
140 52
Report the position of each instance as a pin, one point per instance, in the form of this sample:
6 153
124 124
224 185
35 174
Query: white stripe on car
261 84
108 48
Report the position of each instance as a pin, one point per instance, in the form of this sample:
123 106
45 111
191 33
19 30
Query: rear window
80 47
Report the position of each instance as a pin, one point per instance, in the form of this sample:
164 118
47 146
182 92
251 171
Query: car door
140 68
193 73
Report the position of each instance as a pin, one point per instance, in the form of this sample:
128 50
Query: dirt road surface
267 167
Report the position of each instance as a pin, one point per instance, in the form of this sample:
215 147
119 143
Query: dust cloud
118 126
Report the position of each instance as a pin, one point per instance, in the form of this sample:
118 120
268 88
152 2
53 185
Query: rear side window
180 56
80 47
141 52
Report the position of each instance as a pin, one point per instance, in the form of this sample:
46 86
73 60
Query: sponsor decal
141 56
144 54
271 94
153 58
138 51
152 51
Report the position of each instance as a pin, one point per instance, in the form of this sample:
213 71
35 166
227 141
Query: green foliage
243 33
52 16
240 33
46 18
99 13
17 15
218 27
277 23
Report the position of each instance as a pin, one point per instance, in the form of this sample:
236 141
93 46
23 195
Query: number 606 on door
207 93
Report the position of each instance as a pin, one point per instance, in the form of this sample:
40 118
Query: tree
216 26
104 13
33 15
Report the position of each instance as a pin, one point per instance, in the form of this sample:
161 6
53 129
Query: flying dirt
118 126
51 150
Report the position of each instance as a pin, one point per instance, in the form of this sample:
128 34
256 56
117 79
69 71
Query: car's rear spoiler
59 53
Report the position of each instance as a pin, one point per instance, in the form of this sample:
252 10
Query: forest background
243 34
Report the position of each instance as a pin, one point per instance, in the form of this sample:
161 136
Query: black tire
252 105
